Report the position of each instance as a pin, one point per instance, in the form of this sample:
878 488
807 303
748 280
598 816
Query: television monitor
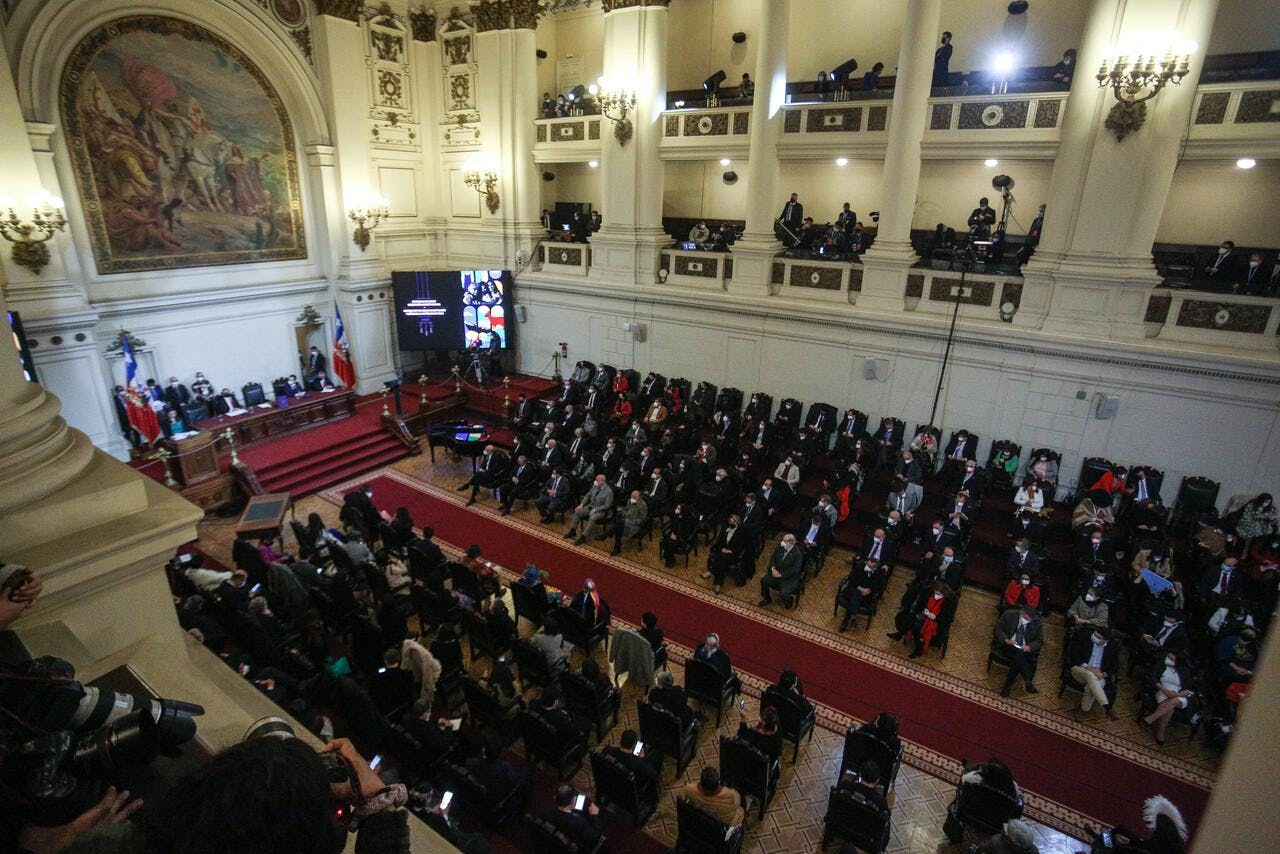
453 309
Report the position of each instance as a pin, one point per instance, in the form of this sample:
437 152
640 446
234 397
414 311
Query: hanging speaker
540 53
739 37
521 314
730 177
869 369
548 176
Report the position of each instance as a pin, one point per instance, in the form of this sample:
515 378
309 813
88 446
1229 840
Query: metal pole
951 332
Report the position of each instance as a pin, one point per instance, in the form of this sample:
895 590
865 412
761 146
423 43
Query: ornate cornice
422 22
347 10
614 5
506 15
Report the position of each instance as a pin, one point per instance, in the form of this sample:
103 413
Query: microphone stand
964 255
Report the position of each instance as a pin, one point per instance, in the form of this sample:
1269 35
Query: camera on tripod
85 735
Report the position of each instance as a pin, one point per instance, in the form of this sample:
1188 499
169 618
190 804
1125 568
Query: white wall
575 182
699 41
1212 200
577 35
950 189
1243 26
825 187
1024 393
867 31
696 188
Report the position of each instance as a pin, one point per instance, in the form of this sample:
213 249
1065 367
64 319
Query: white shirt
1095 657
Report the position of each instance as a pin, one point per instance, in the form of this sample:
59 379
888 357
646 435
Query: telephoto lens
335 767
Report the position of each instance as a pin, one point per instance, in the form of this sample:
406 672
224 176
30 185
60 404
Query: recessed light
1246 163
991 161
593 163
725 161
842 161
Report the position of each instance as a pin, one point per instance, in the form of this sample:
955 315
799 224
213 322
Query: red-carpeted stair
1088 779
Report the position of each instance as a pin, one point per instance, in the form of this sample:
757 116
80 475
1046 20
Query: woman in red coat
1021 591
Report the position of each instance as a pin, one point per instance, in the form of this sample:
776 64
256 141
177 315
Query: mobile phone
455 724
375 762
639 747
445 801
1107 839
253 591
580 802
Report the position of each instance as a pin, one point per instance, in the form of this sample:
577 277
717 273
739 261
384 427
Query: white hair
1020 834
1158 805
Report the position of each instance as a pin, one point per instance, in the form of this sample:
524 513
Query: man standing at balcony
942 62
791 219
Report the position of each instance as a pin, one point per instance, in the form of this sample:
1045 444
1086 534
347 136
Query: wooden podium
195 458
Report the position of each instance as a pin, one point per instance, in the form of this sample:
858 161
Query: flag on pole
137 409
342 365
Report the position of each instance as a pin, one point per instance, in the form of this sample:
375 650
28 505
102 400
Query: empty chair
618 787
854 818
699 832
251 394
823 418
196 410
749 770
576 631
548 840
563 752
484 643
530 602
729 400
488 712
583 372
662 729
580 699
1196 495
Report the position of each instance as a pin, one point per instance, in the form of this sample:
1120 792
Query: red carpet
1049 757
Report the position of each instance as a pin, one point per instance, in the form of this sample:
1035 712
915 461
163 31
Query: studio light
1246 163
842 161
1003 64
990 162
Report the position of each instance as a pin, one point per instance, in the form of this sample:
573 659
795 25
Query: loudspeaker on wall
869 369
521 314
1105 406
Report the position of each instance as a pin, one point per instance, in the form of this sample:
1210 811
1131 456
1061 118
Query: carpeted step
350 464
320 458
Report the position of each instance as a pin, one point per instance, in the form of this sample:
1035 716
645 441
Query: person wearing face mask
1254 278
1026 523
1029 497
1020 633
1221 582
726 553
1257 519
783 574
677 534
970 479
1171 685
630 520
878 545
950 568
1088 610
1022 560
1021 591
1223 267
920 621
788 471
1167 632
176 394
1094 660
865 583
1093 547
938 538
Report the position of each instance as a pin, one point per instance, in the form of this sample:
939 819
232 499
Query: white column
1094 269
635 55
426 78
885 275
753 254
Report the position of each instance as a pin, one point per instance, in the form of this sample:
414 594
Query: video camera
61 740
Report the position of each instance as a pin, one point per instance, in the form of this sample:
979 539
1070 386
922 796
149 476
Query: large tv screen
453 309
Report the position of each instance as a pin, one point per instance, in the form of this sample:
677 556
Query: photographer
20 589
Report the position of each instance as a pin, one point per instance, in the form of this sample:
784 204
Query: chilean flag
342 365
138 410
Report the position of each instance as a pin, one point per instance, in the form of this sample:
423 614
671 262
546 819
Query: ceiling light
1246 163
1003 64
725 161
593 163
991 161
842 161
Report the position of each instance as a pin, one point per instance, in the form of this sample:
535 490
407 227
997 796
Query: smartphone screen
253 591
446 800
375 762
580 802
639 747
455 724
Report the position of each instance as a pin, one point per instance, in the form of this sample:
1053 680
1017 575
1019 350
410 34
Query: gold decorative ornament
29 238
1135 80
366 217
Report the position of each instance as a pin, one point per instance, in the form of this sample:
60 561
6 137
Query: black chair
749 770
729 400
699 832
484 643
581 701
1155 480
530 603
548 840
251 394
703 683
867 605
466 582
1196 495
542 744
532 666
794 720
937 442
487 711
981 808
861 746
576 631
196 410
662 729
830 419
942 638
1001 479
583 372
603 379
617 787
854 818
476 798
1090 470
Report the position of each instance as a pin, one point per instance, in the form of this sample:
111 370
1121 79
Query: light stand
964 255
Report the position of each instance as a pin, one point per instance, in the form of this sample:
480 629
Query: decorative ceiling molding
422 22
614 5
347 10
506 15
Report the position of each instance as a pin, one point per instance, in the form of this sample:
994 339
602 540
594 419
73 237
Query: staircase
317 469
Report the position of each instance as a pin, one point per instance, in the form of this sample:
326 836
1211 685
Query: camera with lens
336 768
61 741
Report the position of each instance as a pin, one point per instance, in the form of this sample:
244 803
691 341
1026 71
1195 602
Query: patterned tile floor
793 821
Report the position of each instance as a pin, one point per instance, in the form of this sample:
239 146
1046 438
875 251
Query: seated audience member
958 515
993 773
788 471
765 736
556 497
600 683
499 777
746 87
1088 609
960 450
710 652
1257 519
1045 469
1065 70
1168 633
1030 497
391 687
1095 660
709 795
1089 515
888 441
699 233
1021 633
650 631
587 602
552 644
225 402
727 551
903 498
1022 560
645 766
920 617
517 485
909 469
595 507
1171 683
582 828
866 580
491 470
630 520
1027 524
1021 591
790 685
447 649
670 696
864 780
1236 657
884 726
549 707
970 479
1015 837
681 526
783 573
879 547
815 535
1220 583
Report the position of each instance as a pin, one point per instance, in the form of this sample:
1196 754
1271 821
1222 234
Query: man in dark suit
568 393
292 387
948 567
783 573
176 394
1029 524
938 538
772 497
1224 268
670 696
1254 277
866 581
520 482
552 456
792 214
942 62
813 536
656 491
577 446
582 828
959 451
489 473
1021 634
1092 548
557 495
1022 559
360 502
521 412
610 458
726 552
625 480
982 218
710 652
1220 582
315 363
888 441
224 402
498 776
878 546
969 478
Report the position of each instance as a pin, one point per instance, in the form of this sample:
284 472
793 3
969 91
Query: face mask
1255 264
1097 542
1025 582
947 558
1097 641
1091 599
1222 250
1169 662
937 596
937 531
1170 623
634 500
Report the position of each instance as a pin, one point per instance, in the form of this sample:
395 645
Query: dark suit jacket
673 699
1030 562
888 553
315 363
969 447
581 829
644 773
1082 648
1209 582
221 405
822 535
895 440
524 476
1007 627
552 458
175 397
788 564
792 215
936 544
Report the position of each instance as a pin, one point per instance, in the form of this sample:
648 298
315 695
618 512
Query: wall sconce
1139 80
28 238
366 217
615 103
484 180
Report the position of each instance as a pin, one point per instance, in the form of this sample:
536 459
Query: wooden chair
581 701
703 683
484 643
577 632
562 753
794 720
548 840
617 787
476 798
863 745
530 602
532 666
749 770
852 817
699 832
487 711
662 729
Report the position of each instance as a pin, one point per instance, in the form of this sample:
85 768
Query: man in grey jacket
630 520
593 508
783 574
